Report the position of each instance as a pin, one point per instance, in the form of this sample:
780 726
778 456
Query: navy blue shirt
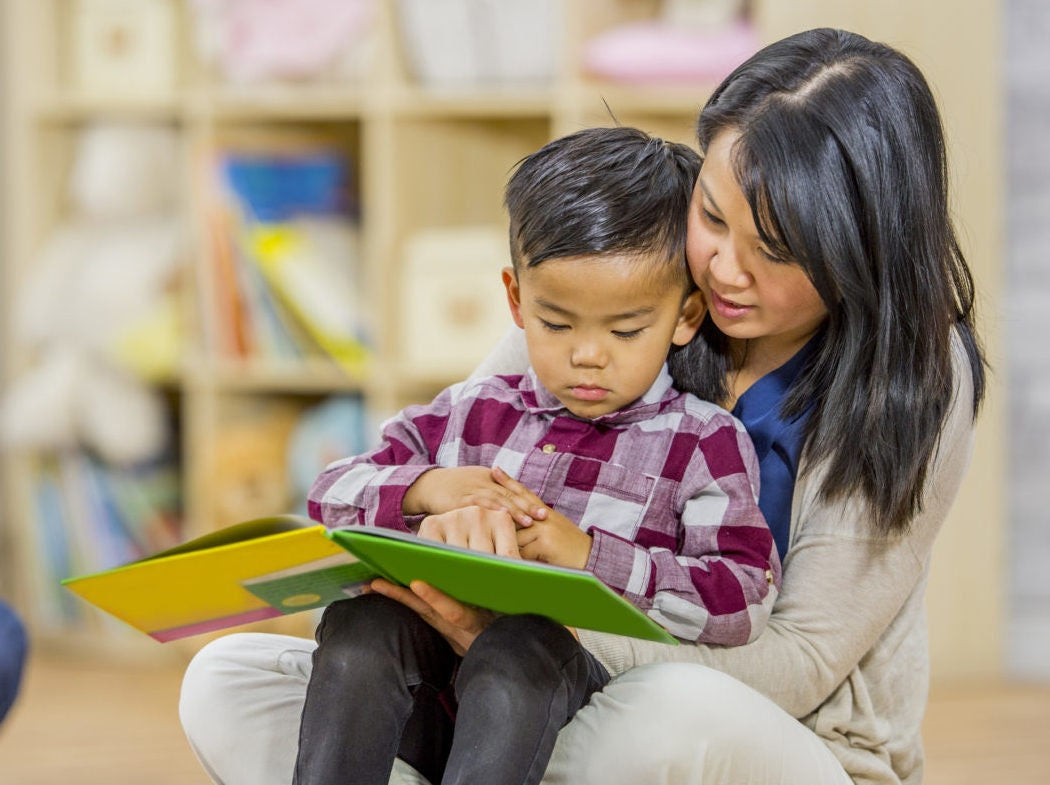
778 442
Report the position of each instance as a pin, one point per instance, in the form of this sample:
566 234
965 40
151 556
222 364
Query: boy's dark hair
602 191
841 157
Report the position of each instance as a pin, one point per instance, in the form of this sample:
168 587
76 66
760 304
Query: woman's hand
457 623
446 489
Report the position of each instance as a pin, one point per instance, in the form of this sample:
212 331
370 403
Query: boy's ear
510 282
693 311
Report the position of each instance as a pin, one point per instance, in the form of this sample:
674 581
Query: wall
1026 325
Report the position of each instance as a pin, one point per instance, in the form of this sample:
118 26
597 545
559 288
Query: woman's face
751 295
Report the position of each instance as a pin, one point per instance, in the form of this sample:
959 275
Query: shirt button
549 448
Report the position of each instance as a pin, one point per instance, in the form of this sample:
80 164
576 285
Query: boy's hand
550 536
555 540
446 489
477 528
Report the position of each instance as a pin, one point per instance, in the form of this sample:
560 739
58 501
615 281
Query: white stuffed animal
97 312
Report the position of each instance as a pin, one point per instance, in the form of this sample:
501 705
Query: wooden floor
93 724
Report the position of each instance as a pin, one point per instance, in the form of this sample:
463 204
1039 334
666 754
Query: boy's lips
589 393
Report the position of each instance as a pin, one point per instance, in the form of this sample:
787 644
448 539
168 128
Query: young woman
841 333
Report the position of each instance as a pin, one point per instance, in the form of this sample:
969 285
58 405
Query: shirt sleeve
718 586
369 489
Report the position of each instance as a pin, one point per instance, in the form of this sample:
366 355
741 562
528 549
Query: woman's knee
239 663
685 695
668 722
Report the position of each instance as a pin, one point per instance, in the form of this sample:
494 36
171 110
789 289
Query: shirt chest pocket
607 495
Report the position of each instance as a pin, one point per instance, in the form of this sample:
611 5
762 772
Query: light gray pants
665 724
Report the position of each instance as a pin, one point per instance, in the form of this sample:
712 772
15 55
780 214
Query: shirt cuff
390 498
619 564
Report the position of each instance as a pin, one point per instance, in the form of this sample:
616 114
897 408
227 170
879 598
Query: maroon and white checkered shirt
667 488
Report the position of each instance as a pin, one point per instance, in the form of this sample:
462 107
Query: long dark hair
841 156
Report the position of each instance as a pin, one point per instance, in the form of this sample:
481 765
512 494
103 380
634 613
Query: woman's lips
584 393
728 308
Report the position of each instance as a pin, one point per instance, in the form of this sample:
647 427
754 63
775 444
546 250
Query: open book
287 563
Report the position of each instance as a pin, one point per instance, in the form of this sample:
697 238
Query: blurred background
236 234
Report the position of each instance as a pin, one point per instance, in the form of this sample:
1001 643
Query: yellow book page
191 590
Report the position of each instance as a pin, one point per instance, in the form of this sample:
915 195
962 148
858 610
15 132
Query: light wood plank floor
95 724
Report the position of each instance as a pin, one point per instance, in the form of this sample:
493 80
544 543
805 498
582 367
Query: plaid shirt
666 487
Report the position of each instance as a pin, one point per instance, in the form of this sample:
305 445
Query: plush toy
247 467
97 315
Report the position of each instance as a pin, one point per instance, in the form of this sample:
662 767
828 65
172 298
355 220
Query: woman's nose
725 267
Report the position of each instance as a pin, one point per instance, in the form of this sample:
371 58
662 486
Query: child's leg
522 679
374 658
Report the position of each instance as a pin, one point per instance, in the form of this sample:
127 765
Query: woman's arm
508 356
843 588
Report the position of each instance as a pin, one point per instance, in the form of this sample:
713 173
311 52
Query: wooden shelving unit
429 158
424 157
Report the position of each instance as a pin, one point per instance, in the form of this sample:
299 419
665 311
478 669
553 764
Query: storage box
455 307
123 46
481 42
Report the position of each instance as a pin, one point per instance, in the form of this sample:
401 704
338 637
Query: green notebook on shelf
287 563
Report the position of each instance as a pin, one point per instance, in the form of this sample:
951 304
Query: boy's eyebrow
562 311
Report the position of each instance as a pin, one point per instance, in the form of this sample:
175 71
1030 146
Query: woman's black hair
841 156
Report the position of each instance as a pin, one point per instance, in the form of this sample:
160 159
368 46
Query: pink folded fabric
655 52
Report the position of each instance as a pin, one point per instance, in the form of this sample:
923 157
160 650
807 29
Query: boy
613 469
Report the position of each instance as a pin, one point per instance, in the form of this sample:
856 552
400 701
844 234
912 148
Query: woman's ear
510 282
693 311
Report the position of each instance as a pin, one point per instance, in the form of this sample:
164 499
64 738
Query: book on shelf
91 515
284 256
284 564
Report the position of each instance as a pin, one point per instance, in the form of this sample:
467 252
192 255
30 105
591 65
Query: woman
841 332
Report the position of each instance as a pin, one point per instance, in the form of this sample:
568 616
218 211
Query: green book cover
572 597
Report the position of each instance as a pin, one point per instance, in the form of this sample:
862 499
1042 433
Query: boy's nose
588 355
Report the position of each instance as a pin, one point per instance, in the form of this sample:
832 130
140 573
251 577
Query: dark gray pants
385 684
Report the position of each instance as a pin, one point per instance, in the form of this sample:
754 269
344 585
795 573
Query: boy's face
598 328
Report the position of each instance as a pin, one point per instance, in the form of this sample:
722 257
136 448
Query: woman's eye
711 217
769 256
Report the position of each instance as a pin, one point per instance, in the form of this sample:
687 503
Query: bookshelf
430 157
423 155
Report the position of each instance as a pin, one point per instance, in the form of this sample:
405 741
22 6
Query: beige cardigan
845 650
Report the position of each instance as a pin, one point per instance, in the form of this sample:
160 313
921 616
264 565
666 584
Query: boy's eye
627 334
554 328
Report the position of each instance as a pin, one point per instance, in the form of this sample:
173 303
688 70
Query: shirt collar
541 401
